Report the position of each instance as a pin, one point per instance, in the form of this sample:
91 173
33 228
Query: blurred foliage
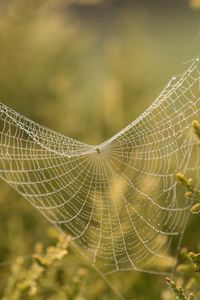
188 278
86 69
189 268
191 193
195 4
24 281
178 291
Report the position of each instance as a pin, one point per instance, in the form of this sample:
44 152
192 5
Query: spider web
119 200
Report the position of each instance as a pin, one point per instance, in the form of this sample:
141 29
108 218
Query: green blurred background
87 69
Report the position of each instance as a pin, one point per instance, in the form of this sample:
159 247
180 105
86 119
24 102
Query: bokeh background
87 69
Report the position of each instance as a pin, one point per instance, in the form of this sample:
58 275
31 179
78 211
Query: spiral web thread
119 200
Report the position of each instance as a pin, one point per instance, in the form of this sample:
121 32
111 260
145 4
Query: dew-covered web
119 200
